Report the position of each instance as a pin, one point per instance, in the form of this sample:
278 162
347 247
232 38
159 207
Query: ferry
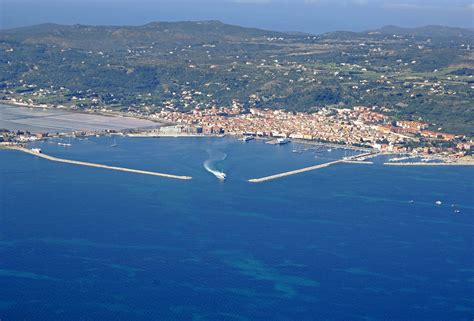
282 141
247 138
220 175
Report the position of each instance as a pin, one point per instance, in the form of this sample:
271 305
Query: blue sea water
339 243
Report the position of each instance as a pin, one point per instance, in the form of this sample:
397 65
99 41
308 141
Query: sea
346 242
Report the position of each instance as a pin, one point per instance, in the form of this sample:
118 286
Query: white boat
438 202
246 138
282 141
220 175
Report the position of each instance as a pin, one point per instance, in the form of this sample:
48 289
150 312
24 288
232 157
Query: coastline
430 164
155 132
164 135
332 145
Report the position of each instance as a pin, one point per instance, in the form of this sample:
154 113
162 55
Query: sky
311 16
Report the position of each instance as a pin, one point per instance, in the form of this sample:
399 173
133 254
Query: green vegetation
420 74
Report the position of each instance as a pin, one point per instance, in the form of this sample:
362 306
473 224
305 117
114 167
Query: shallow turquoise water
340 243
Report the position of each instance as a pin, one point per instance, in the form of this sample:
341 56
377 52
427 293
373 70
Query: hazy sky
313 16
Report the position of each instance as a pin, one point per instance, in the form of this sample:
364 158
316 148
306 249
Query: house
412 125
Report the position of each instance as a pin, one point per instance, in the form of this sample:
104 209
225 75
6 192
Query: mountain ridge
426 29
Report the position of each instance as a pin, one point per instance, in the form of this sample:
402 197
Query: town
360 126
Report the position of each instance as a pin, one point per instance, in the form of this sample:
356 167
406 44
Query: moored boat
282 141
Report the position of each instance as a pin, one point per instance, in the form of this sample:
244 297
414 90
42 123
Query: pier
121 169
354 159
361 162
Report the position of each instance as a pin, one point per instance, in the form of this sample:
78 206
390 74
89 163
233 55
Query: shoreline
333 145
158 135
430 164
154 132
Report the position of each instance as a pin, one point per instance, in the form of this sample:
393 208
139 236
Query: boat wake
211 164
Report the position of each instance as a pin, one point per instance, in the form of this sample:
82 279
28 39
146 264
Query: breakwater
121 169
356 158
362 162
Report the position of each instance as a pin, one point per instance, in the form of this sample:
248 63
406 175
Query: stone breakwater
357 158
121 169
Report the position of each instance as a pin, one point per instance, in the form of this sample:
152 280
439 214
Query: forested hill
165 34
420 73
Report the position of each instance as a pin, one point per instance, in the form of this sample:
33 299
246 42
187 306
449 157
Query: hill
419 73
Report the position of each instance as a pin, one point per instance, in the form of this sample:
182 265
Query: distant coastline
156 132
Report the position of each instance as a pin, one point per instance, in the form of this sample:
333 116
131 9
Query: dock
361 162
353 159
121 169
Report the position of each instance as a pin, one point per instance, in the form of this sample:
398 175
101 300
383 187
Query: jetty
353 159
38 153
361 162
